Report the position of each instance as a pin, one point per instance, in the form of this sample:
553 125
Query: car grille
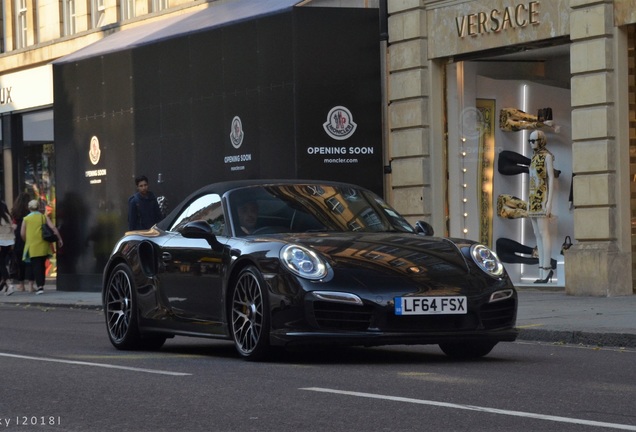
498 314
342 316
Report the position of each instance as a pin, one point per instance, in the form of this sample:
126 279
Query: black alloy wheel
121 314
250 315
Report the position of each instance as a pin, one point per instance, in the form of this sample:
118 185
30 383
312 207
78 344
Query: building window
68 17
98 13
159 5
127 9
335 205
21 24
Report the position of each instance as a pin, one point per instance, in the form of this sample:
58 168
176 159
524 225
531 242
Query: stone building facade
427 36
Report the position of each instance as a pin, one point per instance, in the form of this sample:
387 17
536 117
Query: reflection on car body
325 263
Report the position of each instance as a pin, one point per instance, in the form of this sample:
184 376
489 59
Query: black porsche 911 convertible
272 263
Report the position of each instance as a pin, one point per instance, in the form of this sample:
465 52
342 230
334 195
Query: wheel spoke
118 305
247 313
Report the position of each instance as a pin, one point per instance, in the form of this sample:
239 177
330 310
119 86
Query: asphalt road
59 373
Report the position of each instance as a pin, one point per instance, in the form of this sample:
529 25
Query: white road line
476 408
103 365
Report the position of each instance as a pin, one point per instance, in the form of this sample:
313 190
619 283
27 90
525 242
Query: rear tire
120 310
467 350
249 315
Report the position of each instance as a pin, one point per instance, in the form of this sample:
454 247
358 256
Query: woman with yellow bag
36 248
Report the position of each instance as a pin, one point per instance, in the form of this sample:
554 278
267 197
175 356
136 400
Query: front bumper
345 322
370 338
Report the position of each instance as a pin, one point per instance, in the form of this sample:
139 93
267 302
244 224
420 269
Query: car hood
394 259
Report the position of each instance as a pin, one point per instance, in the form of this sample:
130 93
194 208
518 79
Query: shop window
37 164
2 190
37 179
494 105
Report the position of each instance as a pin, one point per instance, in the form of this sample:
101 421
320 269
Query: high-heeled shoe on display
548 278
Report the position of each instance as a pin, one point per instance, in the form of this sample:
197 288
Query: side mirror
424 228
201 229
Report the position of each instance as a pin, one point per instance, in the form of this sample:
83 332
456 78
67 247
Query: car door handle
166 256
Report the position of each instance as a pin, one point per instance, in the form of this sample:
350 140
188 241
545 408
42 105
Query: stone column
599 264
408 118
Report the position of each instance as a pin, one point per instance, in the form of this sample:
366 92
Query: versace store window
510 153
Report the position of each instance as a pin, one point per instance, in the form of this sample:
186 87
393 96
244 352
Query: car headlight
487 260
303 262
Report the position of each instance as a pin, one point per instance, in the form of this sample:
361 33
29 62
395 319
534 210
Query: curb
573 337
86 306
558 336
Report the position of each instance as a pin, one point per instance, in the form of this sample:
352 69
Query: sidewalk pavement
543 315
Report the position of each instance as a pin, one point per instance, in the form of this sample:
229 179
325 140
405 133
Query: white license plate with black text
446 305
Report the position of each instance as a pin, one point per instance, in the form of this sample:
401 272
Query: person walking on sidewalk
143 208
18 212
7 239
36 249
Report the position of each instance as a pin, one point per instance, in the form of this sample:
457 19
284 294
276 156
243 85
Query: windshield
311 208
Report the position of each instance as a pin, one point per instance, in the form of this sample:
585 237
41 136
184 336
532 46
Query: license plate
446 305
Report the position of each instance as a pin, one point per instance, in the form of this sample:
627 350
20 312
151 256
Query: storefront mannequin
540 194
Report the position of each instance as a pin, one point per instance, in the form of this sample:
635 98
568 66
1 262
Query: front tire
121 314
249 313
467 350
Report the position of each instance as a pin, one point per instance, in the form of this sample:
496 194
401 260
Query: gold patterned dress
538 184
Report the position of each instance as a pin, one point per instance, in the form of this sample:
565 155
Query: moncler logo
94 152
339 124
237 134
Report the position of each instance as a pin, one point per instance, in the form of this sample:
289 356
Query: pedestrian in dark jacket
7 240
143 209
24 271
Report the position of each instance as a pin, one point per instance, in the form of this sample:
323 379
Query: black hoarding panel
296 94
206 60
339 120
240 68
277 149
242 77
209 132
163 115
240 143
93 132
277 156
274 51
89 88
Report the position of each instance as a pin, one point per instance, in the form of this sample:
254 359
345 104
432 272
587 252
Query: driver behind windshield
248 216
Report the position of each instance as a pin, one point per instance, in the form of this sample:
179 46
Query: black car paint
361 276
445 264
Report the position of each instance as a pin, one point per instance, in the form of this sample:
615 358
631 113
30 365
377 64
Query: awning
214 16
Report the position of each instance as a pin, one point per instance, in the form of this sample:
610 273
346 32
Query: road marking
103 365
158 355
433 377
477 408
